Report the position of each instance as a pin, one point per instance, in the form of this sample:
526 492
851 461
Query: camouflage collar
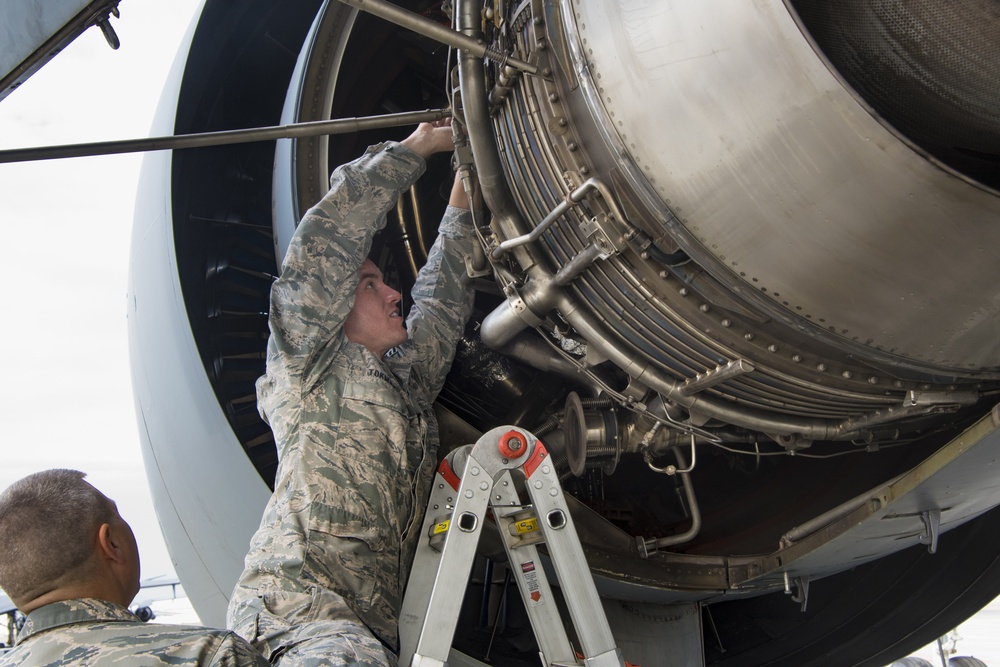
67 612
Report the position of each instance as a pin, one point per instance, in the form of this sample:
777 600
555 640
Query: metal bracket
599 230
104 23
932 528
473 272
940 398
792 442
714 376
801 594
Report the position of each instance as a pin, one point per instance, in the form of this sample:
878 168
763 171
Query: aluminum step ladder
456 515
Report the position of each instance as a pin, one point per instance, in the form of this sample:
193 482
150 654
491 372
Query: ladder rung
445 555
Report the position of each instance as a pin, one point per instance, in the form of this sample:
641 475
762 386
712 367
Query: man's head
61 538
375 320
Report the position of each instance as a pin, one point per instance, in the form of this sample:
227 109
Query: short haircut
48 523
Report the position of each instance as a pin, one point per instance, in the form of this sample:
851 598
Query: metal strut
290 131
455 517
437 32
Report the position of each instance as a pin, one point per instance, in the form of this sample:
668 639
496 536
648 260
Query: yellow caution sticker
526 525
440 527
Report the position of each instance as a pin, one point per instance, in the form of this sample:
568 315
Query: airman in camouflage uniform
95 633
356 433
70 562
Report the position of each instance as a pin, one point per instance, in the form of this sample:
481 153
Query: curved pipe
539 296
539 229
511 317
534 352
477 115
659 382
571 200
648 546
542 295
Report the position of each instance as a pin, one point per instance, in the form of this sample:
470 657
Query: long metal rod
436 31
291 131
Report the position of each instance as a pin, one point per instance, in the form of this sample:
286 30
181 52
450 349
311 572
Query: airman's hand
430 138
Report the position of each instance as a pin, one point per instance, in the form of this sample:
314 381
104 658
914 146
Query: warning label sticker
530 578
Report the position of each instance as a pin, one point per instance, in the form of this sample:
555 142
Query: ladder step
471 481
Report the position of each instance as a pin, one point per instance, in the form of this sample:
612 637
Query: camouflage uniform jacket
89 632
357 437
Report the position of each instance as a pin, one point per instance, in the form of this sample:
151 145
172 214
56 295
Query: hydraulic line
647 547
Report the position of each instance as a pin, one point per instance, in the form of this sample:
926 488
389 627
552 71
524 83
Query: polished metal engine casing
830 253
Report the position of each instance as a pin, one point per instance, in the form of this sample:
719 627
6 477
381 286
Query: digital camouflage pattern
296 629
88 632
357 437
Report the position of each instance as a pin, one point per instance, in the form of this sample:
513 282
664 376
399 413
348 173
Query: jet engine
739 272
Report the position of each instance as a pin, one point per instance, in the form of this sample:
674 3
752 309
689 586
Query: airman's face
375 321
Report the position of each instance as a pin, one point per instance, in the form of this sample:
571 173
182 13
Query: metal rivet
772 348
704 308
727 323
797 358
821 367
847 375
873 380
748 336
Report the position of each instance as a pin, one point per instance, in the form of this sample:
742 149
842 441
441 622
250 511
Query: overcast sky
66 399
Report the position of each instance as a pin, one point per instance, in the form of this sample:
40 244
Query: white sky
66 399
